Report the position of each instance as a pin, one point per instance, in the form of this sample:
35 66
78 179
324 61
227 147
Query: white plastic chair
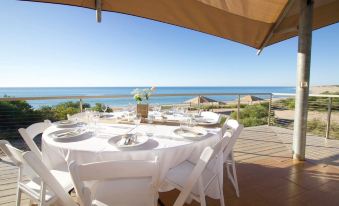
31 167
31 132
225 127
121 183
235 130
178 175
194 176
212 115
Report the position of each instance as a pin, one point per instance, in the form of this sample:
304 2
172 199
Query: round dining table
162 142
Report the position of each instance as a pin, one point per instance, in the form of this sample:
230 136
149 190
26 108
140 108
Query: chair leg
235 178
221 190
201 193
18 197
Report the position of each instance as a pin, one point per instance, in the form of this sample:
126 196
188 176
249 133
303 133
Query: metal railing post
269 111
238 111
80 102
329 111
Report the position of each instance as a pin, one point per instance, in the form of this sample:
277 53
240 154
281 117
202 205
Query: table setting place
171 116
89 126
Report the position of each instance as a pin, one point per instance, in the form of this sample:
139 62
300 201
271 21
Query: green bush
253 115
98 106
318 127
20 114
314 103
15 115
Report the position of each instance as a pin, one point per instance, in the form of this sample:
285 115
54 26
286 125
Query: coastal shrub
253 115
20 114
98 107
61 110
15 115
314 103
209 107
288 103
318 127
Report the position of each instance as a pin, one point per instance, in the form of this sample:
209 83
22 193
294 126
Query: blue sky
54 45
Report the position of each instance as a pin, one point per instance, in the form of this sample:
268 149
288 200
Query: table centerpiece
141 96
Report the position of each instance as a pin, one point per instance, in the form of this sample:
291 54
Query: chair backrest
32 131
224 147
204 159
211 115
110 171
52 183
16 156
225 126
236 129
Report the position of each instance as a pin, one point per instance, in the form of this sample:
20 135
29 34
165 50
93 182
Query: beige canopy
250 98
202 100
256 23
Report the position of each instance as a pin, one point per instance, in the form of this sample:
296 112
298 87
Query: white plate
191 133
65 123
67 134
119 140
202 121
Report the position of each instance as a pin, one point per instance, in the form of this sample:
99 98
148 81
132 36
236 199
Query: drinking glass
104 108
184 122
88 112
157 108
95 118
150 119
137 119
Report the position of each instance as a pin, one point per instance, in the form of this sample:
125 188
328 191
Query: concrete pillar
303 77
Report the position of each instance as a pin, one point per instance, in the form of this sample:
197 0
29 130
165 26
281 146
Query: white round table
170 148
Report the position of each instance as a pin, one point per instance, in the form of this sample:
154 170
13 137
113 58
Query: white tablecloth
170 149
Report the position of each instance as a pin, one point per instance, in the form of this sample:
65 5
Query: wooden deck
267 175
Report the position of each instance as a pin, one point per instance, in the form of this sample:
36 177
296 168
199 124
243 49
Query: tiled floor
269 177
266 173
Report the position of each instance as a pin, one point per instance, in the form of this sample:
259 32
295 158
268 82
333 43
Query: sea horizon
105 91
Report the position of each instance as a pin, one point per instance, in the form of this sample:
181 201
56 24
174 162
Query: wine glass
88 112
104 107
137 119
157 108
150 119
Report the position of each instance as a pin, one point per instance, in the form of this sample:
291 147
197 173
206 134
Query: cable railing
272 109
323 113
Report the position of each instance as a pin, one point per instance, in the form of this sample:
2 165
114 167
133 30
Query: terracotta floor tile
309 180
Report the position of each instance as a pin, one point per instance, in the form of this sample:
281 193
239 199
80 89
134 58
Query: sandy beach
324 88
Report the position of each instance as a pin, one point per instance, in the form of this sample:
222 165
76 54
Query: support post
98 10
329 111
303 77
238 111
80 102
269 111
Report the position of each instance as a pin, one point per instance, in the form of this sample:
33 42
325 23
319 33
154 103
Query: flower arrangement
142 94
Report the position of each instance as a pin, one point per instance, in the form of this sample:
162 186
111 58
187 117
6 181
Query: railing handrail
125 96
311 95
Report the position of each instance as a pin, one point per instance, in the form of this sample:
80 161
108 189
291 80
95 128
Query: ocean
92 91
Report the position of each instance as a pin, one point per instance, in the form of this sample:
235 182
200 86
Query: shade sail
250 98
201 100
256 23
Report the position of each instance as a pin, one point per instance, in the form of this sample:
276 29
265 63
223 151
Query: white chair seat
64 178
35 186
120 190
179 174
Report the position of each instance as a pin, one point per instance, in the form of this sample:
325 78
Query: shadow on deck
267 175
